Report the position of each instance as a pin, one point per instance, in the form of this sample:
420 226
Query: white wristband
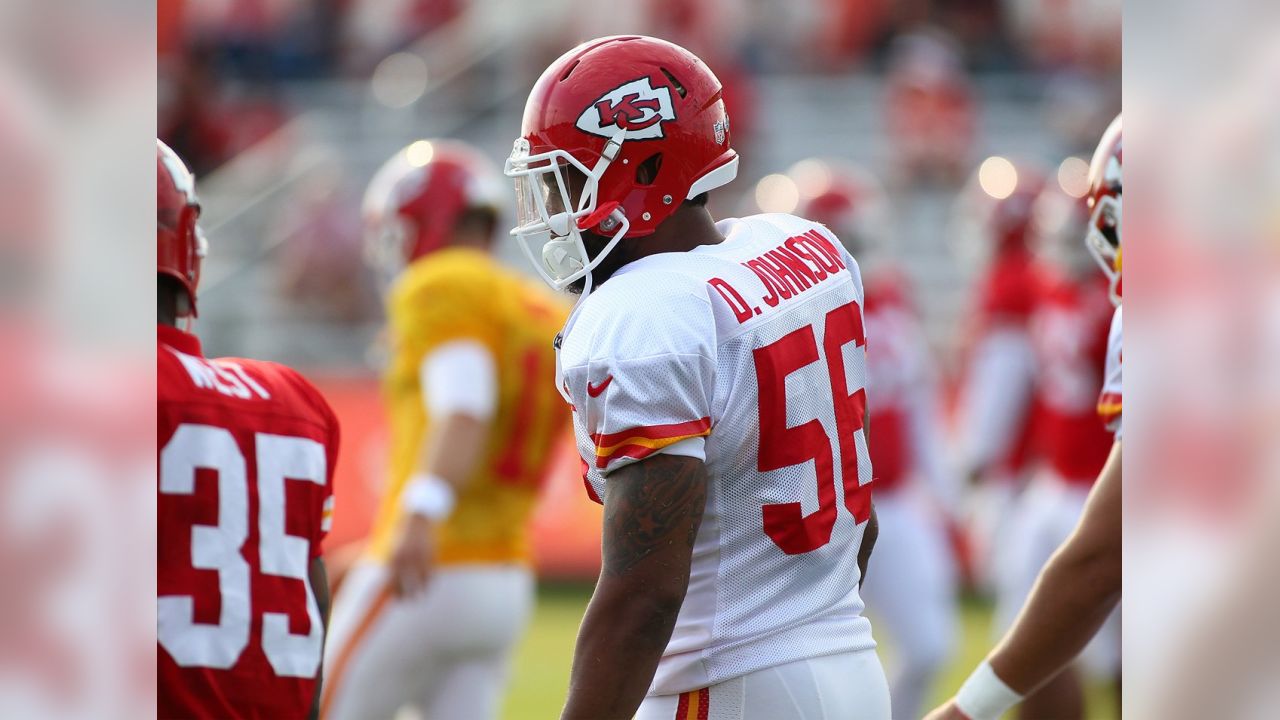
984 696
428 496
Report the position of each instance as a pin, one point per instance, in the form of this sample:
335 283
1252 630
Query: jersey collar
178 340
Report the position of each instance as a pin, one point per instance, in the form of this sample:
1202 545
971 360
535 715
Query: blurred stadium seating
299 103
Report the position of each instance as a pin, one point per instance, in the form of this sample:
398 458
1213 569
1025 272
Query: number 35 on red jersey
244 498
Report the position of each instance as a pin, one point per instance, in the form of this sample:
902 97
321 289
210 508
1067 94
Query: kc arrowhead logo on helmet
637 107
617 134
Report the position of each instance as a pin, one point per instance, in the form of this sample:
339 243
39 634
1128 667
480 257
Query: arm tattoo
648 506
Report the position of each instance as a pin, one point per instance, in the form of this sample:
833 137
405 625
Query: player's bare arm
450 453
319 579
868 543
652 511
872 532
1076 591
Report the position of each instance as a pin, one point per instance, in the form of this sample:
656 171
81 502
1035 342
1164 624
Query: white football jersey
750 355
1110 400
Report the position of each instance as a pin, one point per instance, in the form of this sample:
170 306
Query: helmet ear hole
647 171
675 83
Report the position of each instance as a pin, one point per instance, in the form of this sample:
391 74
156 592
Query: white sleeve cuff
694 447
460 377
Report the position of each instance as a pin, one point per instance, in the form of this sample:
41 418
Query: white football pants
443 653
849 686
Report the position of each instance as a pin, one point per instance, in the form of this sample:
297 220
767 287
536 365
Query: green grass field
540 674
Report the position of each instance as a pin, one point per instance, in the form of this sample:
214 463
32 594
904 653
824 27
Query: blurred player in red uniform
912 590
997 412
1068 331
246 457
930 110
1079 587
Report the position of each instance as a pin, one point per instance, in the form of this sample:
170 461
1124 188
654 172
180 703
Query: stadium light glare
419 153
998 177
399 80
1073 176
777 193
812 177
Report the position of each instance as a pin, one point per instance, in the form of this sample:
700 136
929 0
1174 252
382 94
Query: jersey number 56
782 446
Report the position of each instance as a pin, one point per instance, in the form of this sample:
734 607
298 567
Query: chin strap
599 216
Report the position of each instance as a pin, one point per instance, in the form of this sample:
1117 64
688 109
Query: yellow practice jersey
456 294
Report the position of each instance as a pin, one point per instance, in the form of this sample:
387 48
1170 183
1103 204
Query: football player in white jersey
717 376
1080 585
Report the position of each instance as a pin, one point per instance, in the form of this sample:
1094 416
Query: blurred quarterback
717 374
1080 586
428 618
247 451
912 593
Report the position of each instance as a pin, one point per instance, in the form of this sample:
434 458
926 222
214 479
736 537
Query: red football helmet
180 246
847 199
1103 234
415 200
643 123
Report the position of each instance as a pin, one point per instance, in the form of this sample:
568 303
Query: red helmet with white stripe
642 124
1103 234
415 201
180 246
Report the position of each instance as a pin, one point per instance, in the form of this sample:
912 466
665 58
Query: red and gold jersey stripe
641 442
1109 407
694 705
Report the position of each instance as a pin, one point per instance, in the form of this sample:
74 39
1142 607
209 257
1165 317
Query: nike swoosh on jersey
595 390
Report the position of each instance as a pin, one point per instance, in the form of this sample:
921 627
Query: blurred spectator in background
929 113
190 118
1062 33
222 65
374 29
1077 105
850 29
321 268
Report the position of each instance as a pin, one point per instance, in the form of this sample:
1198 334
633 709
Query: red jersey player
1080 586
996 410
246 457
1068 330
